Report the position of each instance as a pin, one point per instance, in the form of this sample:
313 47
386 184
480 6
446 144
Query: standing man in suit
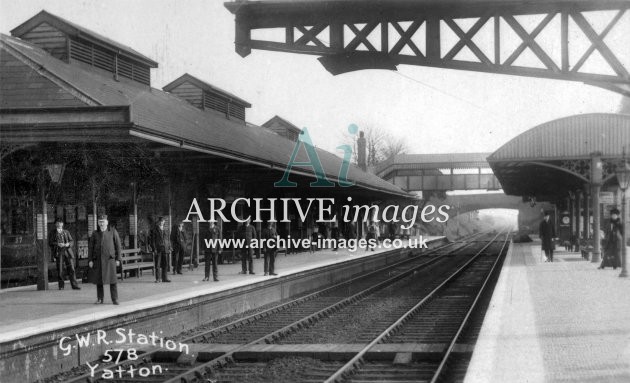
178 243
547 233
60 242
352 230
211 253
160 245
334 234
248 233
270 251
104 250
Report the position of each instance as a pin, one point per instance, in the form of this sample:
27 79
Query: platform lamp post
55 171
623 177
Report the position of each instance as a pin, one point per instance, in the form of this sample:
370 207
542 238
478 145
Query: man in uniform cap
60 242
104 251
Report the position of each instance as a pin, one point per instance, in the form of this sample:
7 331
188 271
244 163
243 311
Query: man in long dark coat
161 246
334 234
613 241
211 253
352 230
248 233
104 252
178 243
270 251
547 232
60 242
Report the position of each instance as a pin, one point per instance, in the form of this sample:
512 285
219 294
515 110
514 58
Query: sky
435 110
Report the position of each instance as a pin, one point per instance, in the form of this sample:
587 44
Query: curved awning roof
553 158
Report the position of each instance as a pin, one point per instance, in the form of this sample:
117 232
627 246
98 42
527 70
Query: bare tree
394 146
380 145
375 143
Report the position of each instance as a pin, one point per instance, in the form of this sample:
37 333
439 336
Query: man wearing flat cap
613 241
60 242
547 233
104 251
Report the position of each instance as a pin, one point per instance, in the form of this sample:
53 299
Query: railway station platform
32 322
564 321
25 311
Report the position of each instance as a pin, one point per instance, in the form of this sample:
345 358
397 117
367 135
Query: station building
571 162
83 132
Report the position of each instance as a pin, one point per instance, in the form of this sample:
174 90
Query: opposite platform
564 321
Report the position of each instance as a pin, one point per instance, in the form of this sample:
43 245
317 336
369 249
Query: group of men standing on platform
105 249
247 232
161 244
612 239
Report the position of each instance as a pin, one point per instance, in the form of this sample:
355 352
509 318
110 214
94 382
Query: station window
17 216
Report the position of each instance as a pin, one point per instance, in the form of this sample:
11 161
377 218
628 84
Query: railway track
291 323
440 316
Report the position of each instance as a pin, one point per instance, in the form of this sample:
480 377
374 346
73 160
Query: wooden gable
22 86
190 93
49 38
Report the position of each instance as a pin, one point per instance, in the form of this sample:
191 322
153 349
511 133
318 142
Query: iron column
623 177
596 183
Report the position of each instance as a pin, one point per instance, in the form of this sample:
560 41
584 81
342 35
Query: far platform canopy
554 158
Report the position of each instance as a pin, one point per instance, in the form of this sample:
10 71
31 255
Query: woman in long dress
613 242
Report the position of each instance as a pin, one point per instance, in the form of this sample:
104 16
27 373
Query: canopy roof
157 116
555 157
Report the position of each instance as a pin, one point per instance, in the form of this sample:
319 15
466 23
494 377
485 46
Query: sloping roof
160 114
573 137
205 86
554 158
75 30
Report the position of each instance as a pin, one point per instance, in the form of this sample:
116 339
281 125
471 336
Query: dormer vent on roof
78 45
283 128
208 97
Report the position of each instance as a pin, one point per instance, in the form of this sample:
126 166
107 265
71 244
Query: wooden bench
131 259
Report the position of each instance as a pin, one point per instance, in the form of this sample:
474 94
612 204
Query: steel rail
226 358
356 361
272 310
472 308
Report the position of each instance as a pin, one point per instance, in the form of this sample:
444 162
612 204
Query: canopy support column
587 209
596 183
42 265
